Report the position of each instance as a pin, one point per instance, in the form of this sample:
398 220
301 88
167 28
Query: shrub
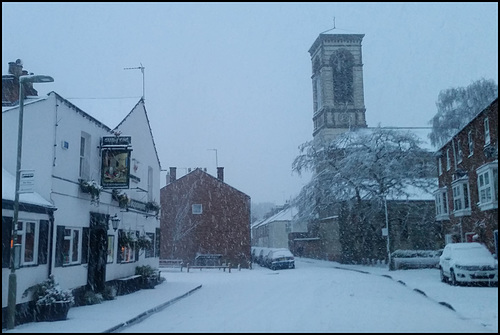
49 292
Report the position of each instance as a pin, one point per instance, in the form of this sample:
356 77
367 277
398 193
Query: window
197 208
128 254
342 63
486 131
440 166
471 143
461 200
150 183
317 91
84 156
71 246
448 160
111 249
469 237
150 251
487 186
127 246
460 154
27 237
441 200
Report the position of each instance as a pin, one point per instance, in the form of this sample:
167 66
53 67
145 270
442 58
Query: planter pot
53 312
149 282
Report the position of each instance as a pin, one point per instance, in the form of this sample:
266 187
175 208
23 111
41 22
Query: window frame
461 203
84 167
150 252
21 239
127 253
460 153
197 210
110 258
487 138
471 142
489 170
448 160
441 204
71 238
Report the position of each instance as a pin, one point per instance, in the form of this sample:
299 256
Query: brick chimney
173 176
16 68
10 84
220 173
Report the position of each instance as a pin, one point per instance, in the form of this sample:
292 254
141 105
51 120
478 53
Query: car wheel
443 277
453 278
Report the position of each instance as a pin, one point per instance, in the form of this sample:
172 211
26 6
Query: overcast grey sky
236 77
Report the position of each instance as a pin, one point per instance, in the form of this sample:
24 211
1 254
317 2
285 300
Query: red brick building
467 197
204 219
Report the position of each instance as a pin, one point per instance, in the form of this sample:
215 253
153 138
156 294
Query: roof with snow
286 214
9 188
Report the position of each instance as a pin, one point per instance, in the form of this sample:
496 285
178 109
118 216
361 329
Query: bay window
487 186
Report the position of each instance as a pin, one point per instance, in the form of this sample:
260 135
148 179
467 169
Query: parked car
257 254
262 253
279 259
468 263
415 259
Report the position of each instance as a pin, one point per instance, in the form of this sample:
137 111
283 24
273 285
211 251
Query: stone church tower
337 80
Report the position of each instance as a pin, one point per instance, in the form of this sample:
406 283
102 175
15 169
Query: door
98 249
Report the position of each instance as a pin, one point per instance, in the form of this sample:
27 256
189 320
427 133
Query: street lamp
11 309
115 221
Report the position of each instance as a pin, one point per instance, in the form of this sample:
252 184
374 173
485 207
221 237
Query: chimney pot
173 176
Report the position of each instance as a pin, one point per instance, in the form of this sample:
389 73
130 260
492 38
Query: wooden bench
223 267
171 263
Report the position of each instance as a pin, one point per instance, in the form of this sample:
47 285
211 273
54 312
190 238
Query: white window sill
462 212
442 217
488 206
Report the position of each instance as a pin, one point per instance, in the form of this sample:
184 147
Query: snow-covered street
321 296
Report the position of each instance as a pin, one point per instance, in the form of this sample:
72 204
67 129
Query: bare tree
458 106
358 171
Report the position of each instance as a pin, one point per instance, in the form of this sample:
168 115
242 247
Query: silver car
468 263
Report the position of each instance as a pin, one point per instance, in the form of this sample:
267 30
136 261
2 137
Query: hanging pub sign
115 168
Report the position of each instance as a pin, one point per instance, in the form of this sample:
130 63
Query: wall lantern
115 221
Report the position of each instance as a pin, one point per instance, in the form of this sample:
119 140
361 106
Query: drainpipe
51 240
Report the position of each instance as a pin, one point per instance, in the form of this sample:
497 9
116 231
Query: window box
121 197
91 187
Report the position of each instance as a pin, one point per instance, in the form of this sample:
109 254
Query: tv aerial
142 70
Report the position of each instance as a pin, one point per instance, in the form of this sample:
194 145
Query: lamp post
388 233
11 309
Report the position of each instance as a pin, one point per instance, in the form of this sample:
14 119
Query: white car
468 263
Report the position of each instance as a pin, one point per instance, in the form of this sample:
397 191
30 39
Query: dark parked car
468 263
279 259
